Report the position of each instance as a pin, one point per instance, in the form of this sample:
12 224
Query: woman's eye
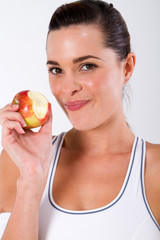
88 66
55 70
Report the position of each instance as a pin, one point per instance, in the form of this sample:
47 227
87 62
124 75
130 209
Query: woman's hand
31 151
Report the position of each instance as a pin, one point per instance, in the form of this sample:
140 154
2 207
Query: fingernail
23 123
22 131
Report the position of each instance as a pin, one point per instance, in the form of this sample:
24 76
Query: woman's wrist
30 190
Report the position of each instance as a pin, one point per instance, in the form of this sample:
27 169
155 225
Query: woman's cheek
54 88
94 83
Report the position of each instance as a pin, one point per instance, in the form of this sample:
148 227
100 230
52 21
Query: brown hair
100 13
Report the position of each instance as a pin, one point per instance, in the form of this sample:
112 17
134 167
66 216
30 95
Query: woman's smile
76 105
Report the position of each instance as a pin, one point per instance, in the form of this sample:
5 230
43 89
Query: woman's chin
80 126
83 125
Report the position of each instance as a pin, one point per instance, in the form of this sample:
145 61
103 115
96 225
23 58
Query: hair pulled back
100 13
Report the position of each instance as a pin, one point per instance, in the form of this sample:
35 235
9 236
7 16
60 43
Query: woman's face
85 77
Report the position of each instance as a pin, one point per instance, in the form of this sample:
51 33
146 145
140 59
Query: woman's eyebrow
50 62
76 60
79 59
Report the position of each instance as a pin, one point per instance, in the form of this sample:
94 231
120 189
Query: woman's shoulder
153 158
8 168
152 177
9 174
152 166
153 152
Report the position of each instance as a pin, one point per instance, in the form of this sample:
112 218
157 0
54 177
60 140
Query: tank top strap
133 184
57 140
135 172
57 144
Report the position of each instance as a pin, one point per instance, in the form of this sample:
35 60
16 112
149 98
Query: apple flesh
33 106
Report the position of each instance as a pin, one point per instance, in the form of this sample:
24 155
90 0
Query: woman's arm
9 174
23 223
32 153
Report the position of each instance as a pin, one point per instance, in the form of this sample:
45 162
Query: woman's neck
111 137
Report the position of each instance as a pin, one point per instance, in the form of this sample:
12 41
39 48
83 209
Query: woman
98 180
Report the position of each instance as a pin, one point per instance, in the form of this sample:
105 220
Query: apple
33 106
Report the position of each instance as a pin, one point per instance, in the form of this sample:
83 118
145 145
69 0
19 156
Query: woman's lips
76 105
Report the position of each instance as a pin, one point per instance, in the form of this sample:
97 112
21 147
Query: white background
23 29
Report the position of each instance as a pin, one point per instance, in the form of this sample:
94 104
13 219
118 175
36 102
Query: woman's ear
129 65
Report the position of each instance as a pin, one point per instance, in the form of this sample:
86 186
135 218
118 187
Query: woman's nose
71 85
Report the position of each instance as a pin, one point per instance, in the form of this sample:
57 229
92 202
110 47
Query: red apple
33 106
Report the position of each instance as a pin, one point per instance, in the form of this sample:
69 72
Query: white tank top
127 217
4 217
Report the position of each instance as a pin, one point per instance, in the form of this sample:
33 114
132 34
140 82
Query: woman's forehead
74 38
76 32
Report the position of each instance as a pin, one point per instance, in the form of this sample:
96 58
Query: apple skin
27 110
